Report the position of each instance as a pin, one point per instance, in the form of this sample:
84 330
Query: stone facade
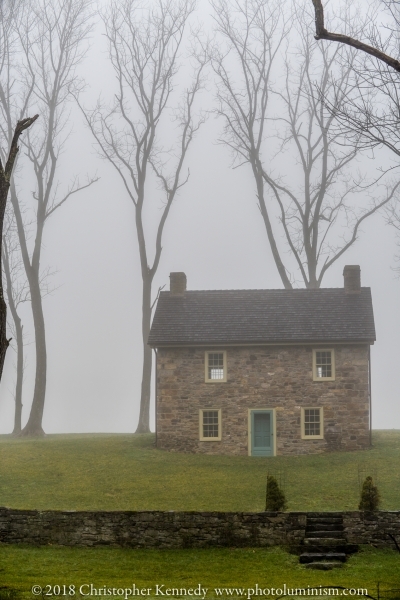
155 529
262 377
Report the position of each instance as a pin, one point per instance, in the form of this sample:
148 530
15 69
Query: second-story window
215 367
323 365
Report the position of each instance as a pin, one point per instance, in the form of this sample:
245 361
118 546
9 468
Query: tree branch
20 127
323 34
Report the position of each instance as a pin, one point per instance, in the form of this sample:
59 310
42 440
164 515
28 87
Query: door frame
250 433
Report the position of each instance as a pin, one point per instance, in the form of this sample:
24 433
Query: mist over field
214 233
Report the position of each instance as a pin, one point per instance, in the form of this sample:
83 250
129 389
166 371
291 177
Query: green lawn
126 472
22 567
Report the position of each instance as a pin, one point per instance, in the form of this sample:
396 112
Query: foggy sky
214 234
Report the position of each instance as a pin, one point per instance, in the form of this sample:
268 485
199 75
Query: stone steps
310 557
324 565
325 545
324 527
317 538
321 520
324 515
330 535
344 548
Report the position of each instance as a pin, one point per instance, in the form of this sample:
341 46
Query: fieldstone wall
262 377
150 529
372 527
153 529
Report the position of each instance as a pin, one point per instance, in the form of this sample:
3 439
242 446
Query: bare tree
5 176
51 36
325 208
17 293
144 50
321 219
9 144
253 32
372 112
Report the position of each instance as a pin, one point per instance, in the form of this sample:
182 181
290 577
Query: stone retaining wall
153 529
372 527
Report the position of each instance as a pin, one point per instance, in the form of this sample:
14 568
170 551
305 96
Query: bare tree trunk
20 376
4 343
34 424
5 176
144 415
19 339
257 171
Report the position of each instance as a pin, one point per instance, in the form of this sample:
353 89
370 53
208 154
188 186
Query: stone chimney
177 284
352 279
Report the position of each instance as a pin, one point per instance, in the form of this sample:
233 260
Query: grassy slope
21 567
126 472
122 472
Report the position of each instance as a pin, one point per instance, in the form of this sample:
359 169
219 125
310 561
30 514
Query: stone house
263 372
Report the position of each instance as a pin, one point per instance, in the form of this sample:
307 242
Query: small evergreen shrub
275 498
370 497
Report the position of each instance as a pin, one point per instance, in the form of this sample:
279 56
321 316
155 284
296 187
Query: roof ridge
267 290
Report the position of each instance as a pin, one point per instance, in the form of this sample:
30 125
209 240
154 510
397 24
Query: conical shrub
275 498
370 497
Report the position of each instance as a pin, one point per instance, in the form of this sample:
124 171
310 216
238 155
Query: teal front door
262 433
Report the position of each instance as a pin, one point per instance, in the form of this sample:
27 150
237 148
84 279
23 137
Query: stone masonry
156 529
262 377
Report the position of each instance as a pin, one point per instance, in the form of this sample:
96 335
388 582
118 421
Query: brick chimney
177 284
352 279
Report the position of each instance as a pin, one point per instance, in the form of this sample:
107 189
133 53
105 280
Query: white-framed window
215 363
312 423
324 364
210 424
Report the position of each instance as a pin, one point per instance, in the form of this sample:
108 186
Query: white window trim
321 416
206 379
314 364
209 439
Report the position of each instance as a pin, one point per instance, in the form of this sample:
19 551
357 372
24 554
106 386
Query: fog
214 234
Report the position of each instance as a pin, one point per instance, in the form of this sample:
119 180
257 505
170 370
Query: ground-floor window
210 424
312 423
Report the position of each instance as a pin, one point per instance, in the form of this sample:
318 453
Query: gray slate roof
262 316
